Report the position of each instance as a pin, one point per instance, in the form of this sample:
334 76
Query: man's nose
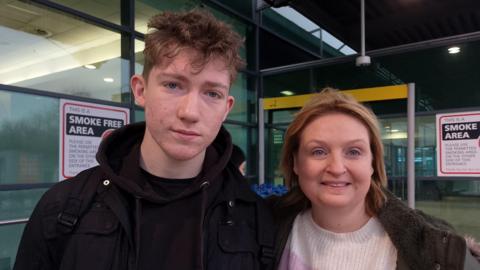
188 107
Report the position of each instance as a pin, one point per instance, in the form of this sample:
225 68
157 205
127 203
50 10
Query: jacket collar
236 186
421 240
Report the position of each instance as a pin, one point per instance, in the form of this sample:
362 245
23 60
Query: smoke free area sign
82 127
458 144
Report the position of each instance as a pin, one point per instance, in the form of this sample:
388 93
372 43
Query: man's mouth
186 132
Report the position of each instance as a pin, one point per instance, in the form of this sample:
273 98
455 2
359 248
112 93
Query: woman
338 214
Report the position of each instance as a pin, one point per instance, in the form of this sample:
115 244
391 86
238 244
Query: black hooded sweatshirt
212 221
165 225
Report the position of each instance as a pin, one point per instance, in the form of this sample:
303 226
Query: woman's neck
340 220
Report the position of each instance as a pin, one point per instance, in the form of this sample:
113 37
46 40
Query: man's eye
214 94
171 85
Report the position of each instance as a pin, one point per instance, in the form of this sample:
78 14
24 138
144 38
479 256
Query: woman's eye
318 152
354 152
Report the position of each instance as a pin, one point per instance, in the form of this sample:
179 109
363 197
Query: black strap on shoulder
266 236
79 199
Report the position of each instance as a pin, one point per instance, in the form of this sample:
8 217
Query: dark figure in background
338 214
238 159
163 196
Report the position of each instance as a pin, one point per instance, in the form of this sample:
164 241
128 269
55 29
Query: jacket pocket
238 245
93 244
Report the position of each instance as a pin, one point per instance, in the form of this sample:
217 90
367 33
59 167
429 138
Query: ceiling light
394 130
453 50
287 93
90 66
109 80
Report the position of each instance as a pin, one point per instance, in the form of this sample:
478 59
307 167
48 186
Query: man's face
184 106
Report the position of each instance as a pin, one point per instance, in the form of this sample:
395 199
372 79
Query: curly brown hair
171 32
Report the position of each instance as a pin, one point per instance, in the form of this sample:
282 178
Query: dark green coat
422 241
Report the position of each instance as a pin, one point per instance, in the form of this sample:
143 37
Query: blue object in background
265 190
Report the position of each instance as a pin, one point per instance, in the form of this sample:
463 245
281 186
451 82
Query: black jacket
235 228
422 242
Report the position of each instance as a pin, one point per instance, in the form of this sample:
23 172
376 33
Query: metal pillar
261 142
411 146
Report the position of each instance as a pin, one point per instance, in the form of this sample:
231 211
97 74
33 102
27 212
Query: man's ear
230 102
138 85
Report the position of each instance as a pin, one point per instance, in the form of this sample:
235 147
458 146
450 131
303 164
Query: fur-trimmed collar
421 240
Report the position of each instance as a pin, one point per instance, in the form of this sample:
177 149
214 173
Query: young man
165 195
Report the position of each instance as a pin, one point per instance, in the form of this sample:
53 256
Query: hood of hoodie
119 156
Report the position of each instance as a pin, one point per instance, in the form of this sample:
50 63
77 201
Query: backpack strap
266 236
79 199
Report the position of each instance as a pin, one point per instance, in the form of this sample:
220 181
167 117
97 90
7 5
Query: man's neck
156 162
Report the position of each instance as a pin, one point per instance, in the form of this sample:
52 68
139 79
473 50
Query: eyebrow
185 79
217 85
171 75
348 142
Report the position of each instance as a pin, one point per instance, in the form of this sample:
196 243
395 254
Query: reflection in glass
244 107
457 201
295 27
296 82
108 10
139 59
10 235
243 137
241 6
29 135
139 115
18 204
44 49
145 9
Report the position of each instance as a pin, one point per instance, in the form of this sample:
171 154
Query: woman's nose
336 165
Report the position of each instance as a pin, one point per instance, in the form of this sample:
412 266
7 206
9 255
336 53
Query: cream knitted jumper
310 247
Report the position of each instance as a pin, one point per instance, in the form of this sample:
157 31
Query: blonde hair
328 101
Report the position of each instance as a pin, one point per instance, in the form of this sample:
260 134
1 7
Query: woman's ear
295 165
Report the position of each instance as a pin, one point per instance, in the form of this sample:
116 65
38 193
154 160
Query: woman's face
334 162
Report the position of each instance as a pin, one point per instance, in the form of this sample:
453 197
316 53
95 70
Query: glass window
47 50
108 10
279 117
29 135
139 115
245 99
442 80
273 145
146 9
287 84
277 21
241 6
456 201
139 59
245 139
10 235
292 25
18 204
